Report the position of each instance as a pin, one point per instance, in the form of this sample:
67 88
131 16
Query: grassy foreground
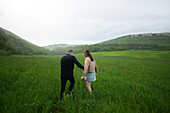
127 82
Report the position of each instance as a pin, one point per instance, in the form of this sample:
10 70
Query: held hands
83 77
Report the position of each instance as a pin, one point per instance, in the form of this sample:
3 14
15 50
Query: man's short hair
70 51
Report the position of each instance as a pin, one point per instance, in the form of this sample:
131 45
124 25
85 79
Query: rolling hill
11 44
149 41
160 39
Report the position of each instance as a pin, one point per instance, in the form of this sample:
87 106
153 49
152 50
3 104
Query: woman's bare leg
88 85
83 81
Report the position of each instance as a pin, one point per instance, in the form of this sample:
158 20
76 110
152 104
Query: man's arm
77 63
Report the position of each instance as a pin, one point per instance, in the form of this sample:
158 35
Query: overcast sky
46 22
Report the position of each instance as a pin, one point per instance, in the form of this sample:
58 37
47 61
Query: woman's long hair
87 52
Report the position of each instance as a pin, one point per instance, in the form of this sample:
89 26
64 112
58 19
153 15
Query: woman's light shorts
91 77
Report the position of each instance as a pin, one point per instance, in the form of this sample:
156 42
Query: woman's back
89 65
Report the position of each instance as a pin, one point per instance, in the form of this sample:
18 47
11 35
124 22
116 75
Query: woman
90 70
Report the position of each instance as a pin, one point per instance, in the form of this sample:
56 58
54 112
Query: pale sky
47 22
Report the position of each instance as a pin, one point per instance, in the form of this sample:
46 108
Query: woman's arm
86 66
84 75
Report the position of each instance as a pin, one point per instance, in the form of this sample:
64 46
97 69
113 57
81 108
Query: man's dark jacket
67 65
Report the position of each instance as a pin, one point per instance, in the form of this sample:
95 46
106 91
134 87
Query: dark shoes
69 92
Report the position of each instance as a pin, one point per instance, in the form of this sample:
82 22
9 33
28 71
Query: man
67 66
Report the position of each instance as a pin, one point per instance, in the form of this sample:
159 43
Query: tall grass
125 83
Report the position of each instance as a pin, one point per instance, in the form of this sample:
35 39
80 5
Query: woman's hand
82 78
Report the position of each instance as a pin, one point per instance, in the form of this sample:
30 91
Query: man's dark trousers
67 66
63 85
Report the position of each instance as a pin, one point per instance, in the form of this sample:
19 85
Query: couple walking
67 66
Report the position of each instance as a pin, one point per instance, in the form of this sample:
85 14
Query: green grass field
127 82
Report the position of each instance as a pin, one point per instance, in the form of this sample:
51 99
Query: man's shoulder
68 56
73 56
63 57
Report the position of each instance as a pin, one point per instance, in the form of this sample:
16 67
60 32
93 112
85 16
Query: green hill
149 41
11 44
160 39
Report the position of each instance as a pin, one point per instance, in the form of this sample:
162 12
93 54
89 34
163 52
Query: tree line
110 47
